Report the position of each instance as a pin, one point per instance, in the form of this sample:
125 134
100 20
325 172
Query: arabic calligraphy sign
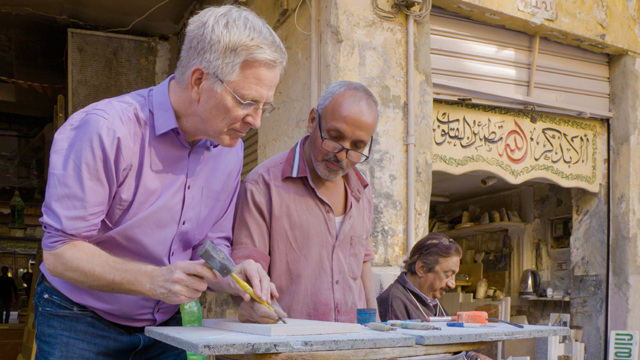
566 150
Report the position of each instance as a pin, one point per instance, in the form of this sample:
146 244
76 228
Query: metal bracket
409 139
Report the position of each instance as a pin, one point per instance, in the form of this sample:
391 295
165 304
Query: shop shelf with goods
485 228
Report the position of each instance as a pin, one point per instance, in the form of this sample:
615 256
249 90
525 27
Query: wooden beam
365 354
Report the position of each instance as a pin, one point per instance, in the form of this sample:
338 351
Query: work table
398 343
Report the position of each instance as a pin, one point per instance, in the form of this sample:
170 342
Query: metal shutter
250 152
489 63
105 65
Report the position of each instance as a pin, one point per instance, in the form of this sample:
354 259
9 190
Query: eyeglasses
335 147
445 275
432 243
250 107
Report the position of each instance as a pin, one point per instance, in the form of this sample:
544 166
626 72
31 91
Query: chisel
380 327
412 325
225 266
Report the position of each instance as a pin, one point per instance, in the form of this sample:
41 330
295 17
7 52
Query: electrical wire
388 15
14 11
406 6
140 18
295 16
560 314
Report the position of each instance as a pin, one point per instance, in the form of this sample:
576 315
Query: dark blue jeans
67 330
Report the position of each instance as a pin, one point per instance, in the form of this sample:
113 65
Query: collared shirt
430 301
122 177
285 224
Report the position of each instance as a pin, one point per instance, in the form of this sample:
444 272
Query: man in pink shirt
305 214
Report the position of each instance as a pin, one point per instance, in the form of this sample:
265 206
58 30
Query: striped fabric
295 166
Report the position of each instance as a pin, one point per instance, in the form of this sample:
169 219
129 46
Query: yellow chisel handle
380 327
249 290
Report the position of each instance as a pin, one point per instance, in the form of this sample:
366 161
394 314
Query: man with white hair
139 182
305 215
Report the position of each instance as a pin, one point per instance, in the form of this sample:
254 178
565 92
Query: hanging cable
295 16
383 14
140 18
19 11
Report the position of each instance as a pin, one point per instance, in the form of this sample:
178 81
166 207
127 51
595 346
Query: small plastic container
481 289
549 293
366 316
490 291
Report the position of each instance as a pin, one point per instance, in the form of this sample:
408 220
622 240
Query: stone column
589 266
624 280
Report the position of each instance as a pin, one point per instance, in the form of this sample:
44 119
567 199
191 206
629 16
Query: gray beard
322 170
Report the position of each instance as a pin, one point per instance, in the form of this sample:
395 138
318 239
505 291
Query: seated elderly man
430 271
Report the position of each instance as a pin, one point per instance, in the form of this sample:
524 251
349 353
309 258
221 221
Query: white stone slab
293 327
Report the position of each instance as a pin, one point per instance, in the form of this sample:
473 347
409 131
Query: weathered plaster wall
598 25
287 124
352 50
624 283
356 45
424 132
589 268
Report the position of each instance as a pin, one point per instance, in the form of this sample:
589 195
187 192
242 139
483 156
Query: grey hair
340 86
220 38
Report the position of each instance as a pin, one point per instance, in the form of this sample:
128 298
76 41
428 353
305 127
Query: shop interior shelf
29 238
536 298
479 229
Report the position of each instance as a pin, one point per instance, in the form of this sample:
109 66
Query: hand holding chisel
225 266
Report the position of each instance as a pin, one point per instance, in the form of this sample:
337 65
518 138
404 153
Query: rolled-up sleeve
251 235
85 168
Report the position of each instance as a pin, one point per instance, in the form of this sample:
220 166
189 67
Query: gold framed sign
560 148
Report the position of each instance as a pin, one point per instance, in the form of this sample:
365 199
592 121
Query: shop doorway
520 136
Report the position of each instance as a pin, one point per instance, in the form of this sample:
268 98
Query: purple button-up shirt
122 177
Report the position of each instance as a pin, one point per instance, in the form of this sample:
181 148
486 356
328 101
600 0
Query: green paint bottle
192 316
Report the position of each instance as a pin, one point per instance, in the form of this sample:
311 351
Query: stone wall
287 124
354 44
624 280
